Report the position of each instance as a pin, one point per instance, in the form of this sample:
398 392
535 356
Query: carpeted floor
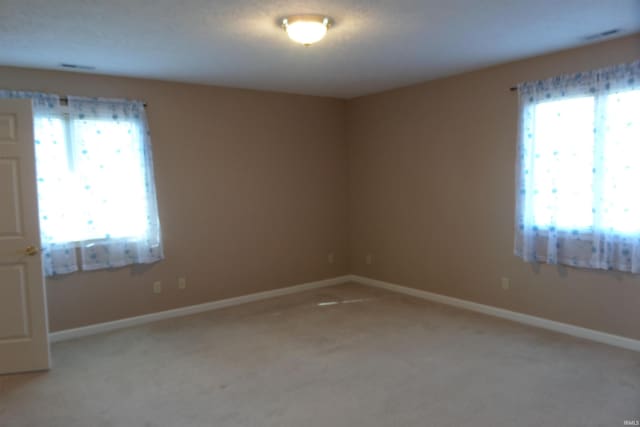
342 356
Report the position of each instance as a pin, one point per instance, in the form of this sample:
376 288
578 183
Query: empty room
411 213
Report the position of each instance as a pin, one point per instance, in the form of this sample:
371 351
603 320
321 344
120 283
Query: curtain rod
512 89
65 101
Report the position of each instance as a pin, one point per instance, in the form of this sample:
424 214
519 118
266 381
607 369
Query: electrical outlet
504 282
369 259
331 258
182 282
157 287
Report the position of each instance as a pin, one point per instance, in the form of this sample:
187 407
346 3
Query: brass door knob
31 251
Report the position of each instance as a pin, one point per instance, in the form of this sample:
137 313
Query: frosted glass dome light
306 29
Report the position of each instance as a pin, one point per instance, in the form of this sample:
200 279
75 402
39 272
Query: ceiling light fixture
306 29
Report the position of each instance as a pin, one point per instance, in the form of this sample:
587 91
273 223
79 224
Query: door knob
31 251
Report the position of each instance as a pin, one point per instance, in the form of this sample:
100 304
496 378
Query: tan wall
252 191
432 195
253 194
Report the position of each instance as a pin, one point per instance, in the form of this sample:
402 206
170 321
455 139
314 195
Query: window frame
598 146
63 114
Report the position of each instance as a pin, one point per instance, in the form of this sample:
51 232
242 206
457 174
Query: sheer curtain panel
96 190
578 170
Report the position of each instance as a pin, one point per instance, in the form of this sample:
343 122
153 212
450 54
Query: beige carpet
341 356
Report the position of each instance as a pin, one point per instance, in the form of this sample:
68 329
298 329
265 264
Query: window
96 191
99 184
579 169
563 141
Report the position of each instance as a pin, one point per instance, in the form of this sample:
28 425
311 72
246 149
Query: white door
24 344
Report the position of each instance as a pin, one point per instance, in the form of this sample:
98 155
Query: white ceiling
374 45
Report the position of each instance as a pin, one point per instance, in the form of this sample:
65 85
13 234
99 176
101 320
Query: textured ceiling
374 45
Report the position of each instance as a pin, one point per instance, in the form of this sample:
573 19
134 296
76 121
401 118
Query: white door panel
24 344
10 226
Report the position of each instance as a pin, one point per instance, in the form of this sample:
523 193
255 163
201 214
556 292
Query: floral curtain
96 190
114 179
578 169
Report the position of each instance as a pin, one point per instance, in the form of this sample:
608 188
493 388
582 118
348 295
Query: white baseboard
98 328
539 322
